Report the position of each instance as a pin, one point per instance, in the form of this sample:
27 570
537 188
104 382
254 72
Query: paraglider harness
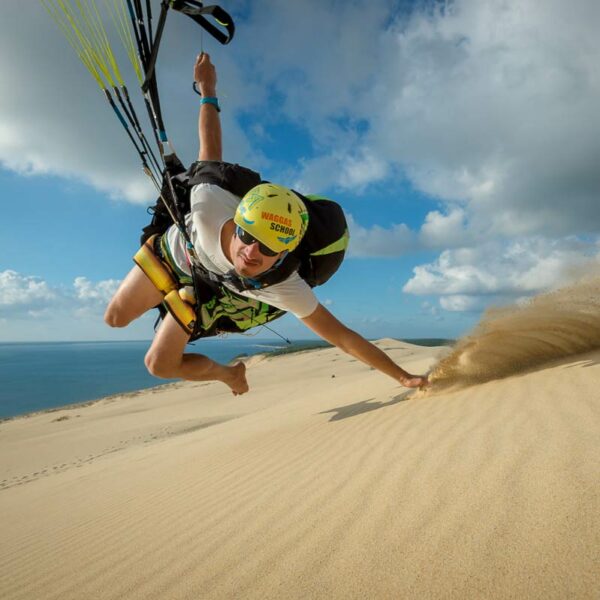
323 246
317 258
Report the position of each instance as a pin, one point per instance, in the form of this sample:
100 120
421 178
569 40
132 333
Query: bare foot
415 381
236 379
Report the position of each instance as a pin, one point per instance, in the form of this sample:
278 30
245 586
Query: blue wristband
211 100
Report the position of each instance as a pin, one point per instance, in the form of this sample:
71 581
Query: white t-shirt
211 208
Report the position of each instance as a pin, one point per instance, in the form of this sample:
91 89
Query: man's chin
244 269
245 272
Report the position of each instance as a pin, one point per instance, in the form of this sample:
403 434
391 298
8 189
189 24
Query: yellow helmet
273 215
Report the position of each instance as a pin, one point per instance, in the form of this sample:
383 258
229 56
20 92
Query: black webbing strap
194 10
151 63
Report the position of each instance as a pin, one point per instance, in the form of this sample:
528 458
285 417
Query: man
226 237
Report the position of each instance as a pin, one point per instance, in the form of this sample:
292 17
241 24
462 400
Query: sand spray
529 334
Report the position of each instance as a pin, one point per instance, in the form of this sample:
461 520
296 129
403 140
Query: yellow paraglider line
82 26
67 26
119 17
91 18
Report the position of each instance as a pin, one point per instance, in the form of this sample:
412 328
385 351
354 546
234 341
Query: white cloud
316 174
492 102
371 320
92 298
489 102
40 314
437 232
63 124
23 292
351 170
362 169
25 296
444 230
496 102
470 278
379 241
102 291
462 303
34 310
489 106
319 56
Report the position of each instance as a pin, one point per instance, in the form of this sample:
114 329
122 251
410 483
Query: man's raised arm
209 124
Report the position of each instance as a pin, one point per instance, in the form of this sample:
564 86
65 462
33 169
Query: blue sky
461 138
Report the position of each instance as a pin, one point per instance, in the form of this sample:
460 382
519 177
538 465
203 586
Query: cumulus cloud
487 106
476 99
491 103
319 57
70 132
379 241
352 170
468 279
445 230
439 231
462 303
102 291
494 101
91 298
63 125
25 296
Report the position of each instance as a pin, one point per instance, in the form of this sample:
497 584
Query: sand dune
327 480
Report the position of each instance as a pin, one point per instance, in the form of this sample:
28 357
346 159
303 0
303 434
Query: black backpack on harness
319 254
317 257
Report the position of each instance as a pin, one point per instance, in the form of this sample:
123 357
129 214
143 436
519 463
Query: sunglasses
248 240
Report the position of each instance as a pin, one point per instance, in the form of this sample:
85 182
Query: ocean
43 375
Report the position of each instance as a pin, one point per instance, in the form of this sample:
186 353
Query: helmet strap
280 260
248 283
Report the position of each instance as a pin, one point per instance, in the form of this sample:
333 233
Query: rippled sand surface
327 481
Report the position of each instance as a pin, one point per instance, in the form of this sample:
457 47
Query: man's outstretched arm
326 326
209 123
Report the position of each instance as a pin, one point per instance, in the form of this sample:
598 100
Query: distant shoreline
86 403
428 342
295 347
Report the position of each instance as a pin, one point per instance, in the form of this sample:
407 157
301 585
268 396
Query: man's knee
136 295
114 317
159 366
